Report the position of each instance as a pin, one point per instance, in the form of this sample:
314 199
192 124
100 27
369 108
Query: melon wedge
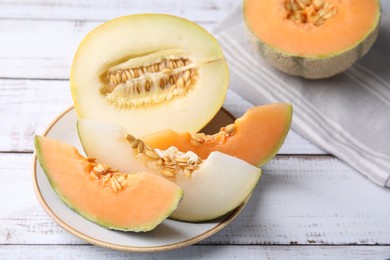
255 137
212 187
149 72
128 202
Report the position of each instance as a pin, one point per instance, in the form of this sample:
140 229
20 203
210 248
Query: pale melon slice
221 183
148 73
212 188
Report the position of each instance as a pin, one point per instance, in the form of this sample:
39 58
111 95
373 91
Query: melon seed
181 159
151 154
116 183
230 128
121 178
113 186
168 173
140 146
187 172
135 143
130 138
101 168
166 71
197 138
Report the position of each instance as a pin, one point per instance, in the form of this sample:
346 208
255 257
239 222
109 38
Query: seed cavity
311 12
169 162
108 176
150 79
221 137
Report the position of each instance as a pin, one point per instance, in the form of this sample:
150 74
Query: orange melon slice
255 137
129 202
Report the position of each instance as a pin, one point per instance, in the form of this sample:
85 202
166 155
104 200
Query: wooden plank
310 200
200 10
38 49
203 252
27 107
30 100
45 48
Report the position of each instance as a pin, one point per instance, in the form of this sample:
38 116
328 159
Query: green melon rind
314 67
281 141
151 226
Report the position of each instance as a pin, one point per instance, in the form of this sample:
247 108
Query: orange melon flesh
259 134
353 22
141 205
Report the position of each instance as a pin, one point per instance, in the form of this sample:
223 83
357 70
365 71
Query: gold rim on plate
109 245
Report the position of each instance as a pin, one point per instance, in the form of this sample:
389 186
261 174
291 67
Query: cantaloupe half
312 38
212 187
149 72
255 137
115 200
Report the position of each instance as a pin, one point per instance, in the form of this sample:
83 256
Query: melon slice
149 72
115 200
255 137
212 187
312 38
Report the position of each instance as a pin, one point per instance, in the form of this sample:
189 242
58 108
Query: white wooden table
308 205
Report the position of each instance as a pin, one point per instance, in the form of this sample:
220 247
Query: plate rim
222 224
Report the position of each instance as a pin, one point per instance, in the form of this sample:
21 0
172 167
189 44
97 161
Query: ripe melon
113 199
149 72
255 137
312 38
212 187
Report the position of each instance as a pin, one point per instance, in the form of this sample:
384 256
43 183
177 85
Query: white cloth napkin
347 115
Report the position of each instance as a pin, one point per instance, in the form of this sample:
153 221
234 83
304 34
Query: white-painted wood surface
308 205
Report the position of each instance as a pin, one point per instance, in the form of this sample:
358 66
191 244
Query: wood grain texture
200 252
27 107
200 10
305 207
35 49
42 36
306 200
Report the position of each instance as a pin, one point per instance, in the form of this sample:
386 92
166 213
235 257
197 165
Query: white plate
168 235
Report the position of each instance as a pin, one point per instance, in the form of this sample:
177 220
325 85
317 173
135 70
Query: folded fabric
347 115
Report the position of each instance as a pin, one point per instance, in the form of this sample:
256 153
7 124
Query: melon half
149 72
312 38
212 187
